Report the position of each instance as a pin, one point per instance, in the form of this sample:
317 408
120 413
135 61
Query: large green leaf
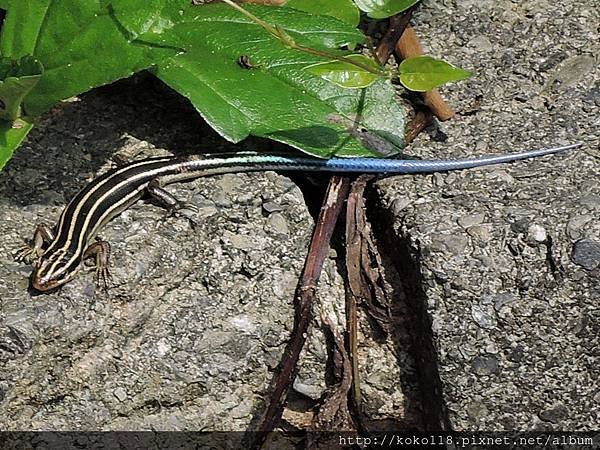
82 45
21 26
79 43
272 96
344 10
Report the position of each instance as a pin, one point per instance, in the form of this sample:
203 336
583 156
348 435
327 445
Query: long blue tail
379 165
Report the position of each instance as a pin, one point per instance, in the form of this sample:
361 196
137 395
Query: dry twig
337 192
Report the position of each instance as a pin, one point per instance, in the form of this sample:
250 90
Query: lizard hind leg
173 206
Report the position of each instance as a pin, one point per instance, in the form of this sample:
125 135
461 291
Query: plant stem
312 51
271 29
289 42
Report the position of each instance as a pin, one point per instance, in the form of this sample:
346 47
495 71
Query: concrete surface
495 271
504 261
196 320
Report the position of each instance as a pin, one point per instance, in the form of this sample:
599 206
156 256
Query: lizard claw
27 254
103 277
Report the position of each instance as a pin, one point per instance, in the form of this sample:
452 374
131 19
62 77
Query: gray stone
555 415
571 71
481 43
120 394
480 232
484 316
586 253
455 244
278 224
537 233
190 332
576 225
592 201
521 311
271 207
503 299
470 220
485 365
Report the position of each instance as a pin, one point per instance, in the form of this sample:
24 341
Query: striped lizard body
59 252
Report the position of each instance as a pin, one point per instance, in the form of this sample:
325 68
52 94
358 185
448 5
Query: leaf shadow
317 137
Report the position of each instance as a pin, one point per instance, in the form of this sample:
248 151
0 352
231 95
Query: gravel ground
495 271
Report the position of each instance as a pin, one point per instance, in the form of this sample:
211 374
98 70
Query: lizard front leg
100 251
42 236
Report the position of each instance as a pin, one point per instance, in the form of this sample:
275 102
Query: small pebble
479 232
271 207
278 223
537 232
576 224
484 316
120 394
555 415
486 365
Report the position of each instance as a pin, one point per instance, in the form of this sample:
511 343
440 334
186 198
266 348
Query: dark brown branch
418 123
337 192
389 40
334 414
357 288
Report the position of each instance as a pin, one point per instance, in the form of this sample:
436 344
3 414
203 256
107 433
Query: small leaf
17 78
380 9
11 136
345 74
344 10
423 73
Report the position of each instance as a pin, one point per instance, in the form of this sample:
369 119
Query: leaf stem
271 29
288 41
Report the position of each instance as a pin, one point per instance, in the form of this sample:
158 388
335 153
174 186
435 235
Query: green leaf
423 73
148 16
21 27
79 44
345 74
345 10
11 136
275 98
380 9
17 78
